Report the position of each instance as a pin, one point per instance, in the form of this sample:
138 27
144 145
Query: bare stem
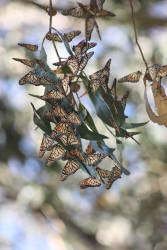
135 31
50 14
57 53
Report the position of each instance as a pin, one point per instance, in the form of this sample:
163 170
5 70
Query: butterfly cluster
63 118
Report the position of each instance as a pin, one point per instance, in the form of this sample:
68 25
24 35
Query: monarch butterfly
32 47
82 47
163 71
73 64
104 13
74 118
53 94
26 62
75 153
65 84
57 153
115 174
70 168
101 77
89 26
84 60
124 99
90 182
89 149
94 159
63 128
133 77
152 72
69 139
59 111
71 35
103 172
75 12
46 145
30 78
53 37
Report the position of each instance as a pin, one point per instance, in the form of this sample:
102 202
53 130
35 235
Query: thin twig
135 31
50 14
57 53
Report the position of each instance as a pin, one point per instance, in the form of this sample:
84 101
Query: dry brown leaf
161 105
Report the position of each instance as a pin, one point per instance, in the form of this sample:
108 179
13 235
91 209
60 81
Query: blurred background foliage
37 211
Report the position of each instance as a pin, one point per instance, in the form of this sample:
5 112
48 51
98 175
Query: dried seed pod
90 182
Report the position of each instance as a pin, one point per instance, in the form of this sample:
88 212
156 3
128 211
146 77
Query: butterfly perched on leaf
70 168
94 159
53 37
69 139
133 77
100 78
72 118
71 35
73 64
103 173
115 174
31 47
57 153
30 78
74 154
58 111
90 182
27 62
84 60
90 13
53 95
68 36
46 145
82 47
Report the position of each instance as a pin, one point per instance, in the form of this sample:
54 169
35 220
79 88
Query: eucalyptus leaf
87 134
39 120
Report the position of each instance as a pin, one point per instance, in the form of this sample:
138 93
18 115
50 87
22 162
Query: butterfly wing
70 168
90 182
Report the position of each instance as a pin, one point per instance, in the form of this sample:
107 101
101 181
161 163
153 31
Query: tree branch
135 31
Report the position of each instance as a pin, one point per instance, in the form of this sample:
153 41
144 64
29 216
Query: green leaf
65 42
43 55
101 108
133 125
87 134
88 119
39 119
